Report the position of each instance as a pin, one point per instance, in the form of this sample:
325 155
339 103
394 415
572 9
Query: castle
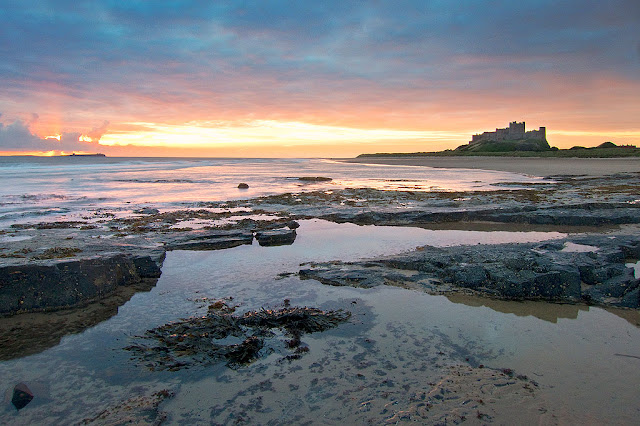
515 132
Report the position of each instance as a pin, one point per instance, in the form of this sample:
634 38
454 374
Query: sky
312 79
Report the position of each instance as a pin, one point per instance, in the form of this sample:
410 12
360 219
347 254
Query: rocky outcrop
65 283
276 237
570 215
592 271
212 241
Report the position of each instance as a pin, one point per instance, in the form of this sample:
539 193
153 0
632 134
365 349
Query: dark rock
148 267
57 284
559 284
470 276
619 285
314 179
276 237
631 250
292 224
352 277
631 299
22 395
508 271
212 241
204 339
147 210
243 186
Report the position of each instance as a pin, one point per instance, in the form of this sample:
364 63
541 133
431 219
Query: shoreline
592 167
136 245
585 268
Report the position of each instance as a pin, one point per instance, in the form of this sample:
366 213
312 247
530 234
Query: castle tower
516 130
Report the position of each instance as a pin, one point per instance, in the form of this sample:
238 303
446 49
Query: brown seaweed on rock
221 336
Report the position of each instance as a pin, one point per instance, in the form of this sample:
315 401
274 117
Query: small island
87 155
515 141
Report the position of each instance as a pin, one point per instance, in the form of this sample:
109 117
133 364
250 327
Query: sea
396 345
59 188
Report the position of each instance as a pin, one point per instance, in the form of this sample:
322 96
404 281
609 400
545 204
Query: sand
529 166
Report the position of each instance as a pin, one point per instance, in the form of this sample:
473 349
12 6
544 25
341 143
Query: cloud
329 62
97 132
17 137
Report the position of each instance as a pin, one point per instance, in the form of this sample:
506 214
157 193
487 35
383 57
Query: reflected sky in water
400 335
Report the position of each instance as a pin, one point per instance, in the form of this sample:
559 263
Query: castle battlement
515 132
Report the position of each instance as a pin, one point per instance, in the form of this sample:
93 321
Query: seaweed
214 337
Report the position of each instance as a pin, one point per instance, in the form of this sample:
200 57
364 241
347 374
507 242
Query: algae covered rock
221 336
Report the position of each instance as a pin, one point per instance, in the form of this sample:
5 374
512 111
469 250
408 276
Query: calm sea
59 188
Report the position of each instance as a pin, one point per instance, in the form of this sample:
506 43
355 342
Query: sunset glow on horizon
333 80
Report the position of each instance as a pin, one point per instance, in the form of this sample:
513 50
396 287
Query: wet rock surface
22 396
559 201
67 283
314 179
554 271
212 241
221 336
276 237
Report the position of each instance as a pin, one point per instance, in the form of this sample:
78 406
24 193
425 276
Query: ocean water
396 344
61 188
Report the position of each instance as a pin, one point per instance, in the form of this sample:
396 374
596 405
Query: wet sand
529 166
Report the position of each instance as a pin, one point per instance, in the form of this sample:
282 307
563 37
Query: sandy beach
529 166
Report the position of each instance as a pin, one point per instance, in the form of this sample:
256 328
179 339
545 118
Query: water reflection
545 311
31 333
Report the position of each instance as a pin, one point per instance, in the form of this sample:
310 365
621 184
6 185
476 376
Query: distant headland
515 141
512 138
86 155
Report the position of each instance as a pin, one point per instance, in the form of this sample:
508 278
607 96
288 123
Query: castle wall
515 131
540 134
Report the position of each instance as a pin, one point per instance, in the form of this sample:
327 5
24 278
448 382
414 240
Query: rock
619 285
276 237
631 299
507 271
212 241
148 267
470 276
346 276
631 250
292 224
243 186
147 210
22 396
205 340
57 284
314 179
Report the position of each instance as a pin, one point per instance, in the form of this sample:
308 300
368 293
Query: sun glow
259 132
56 137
